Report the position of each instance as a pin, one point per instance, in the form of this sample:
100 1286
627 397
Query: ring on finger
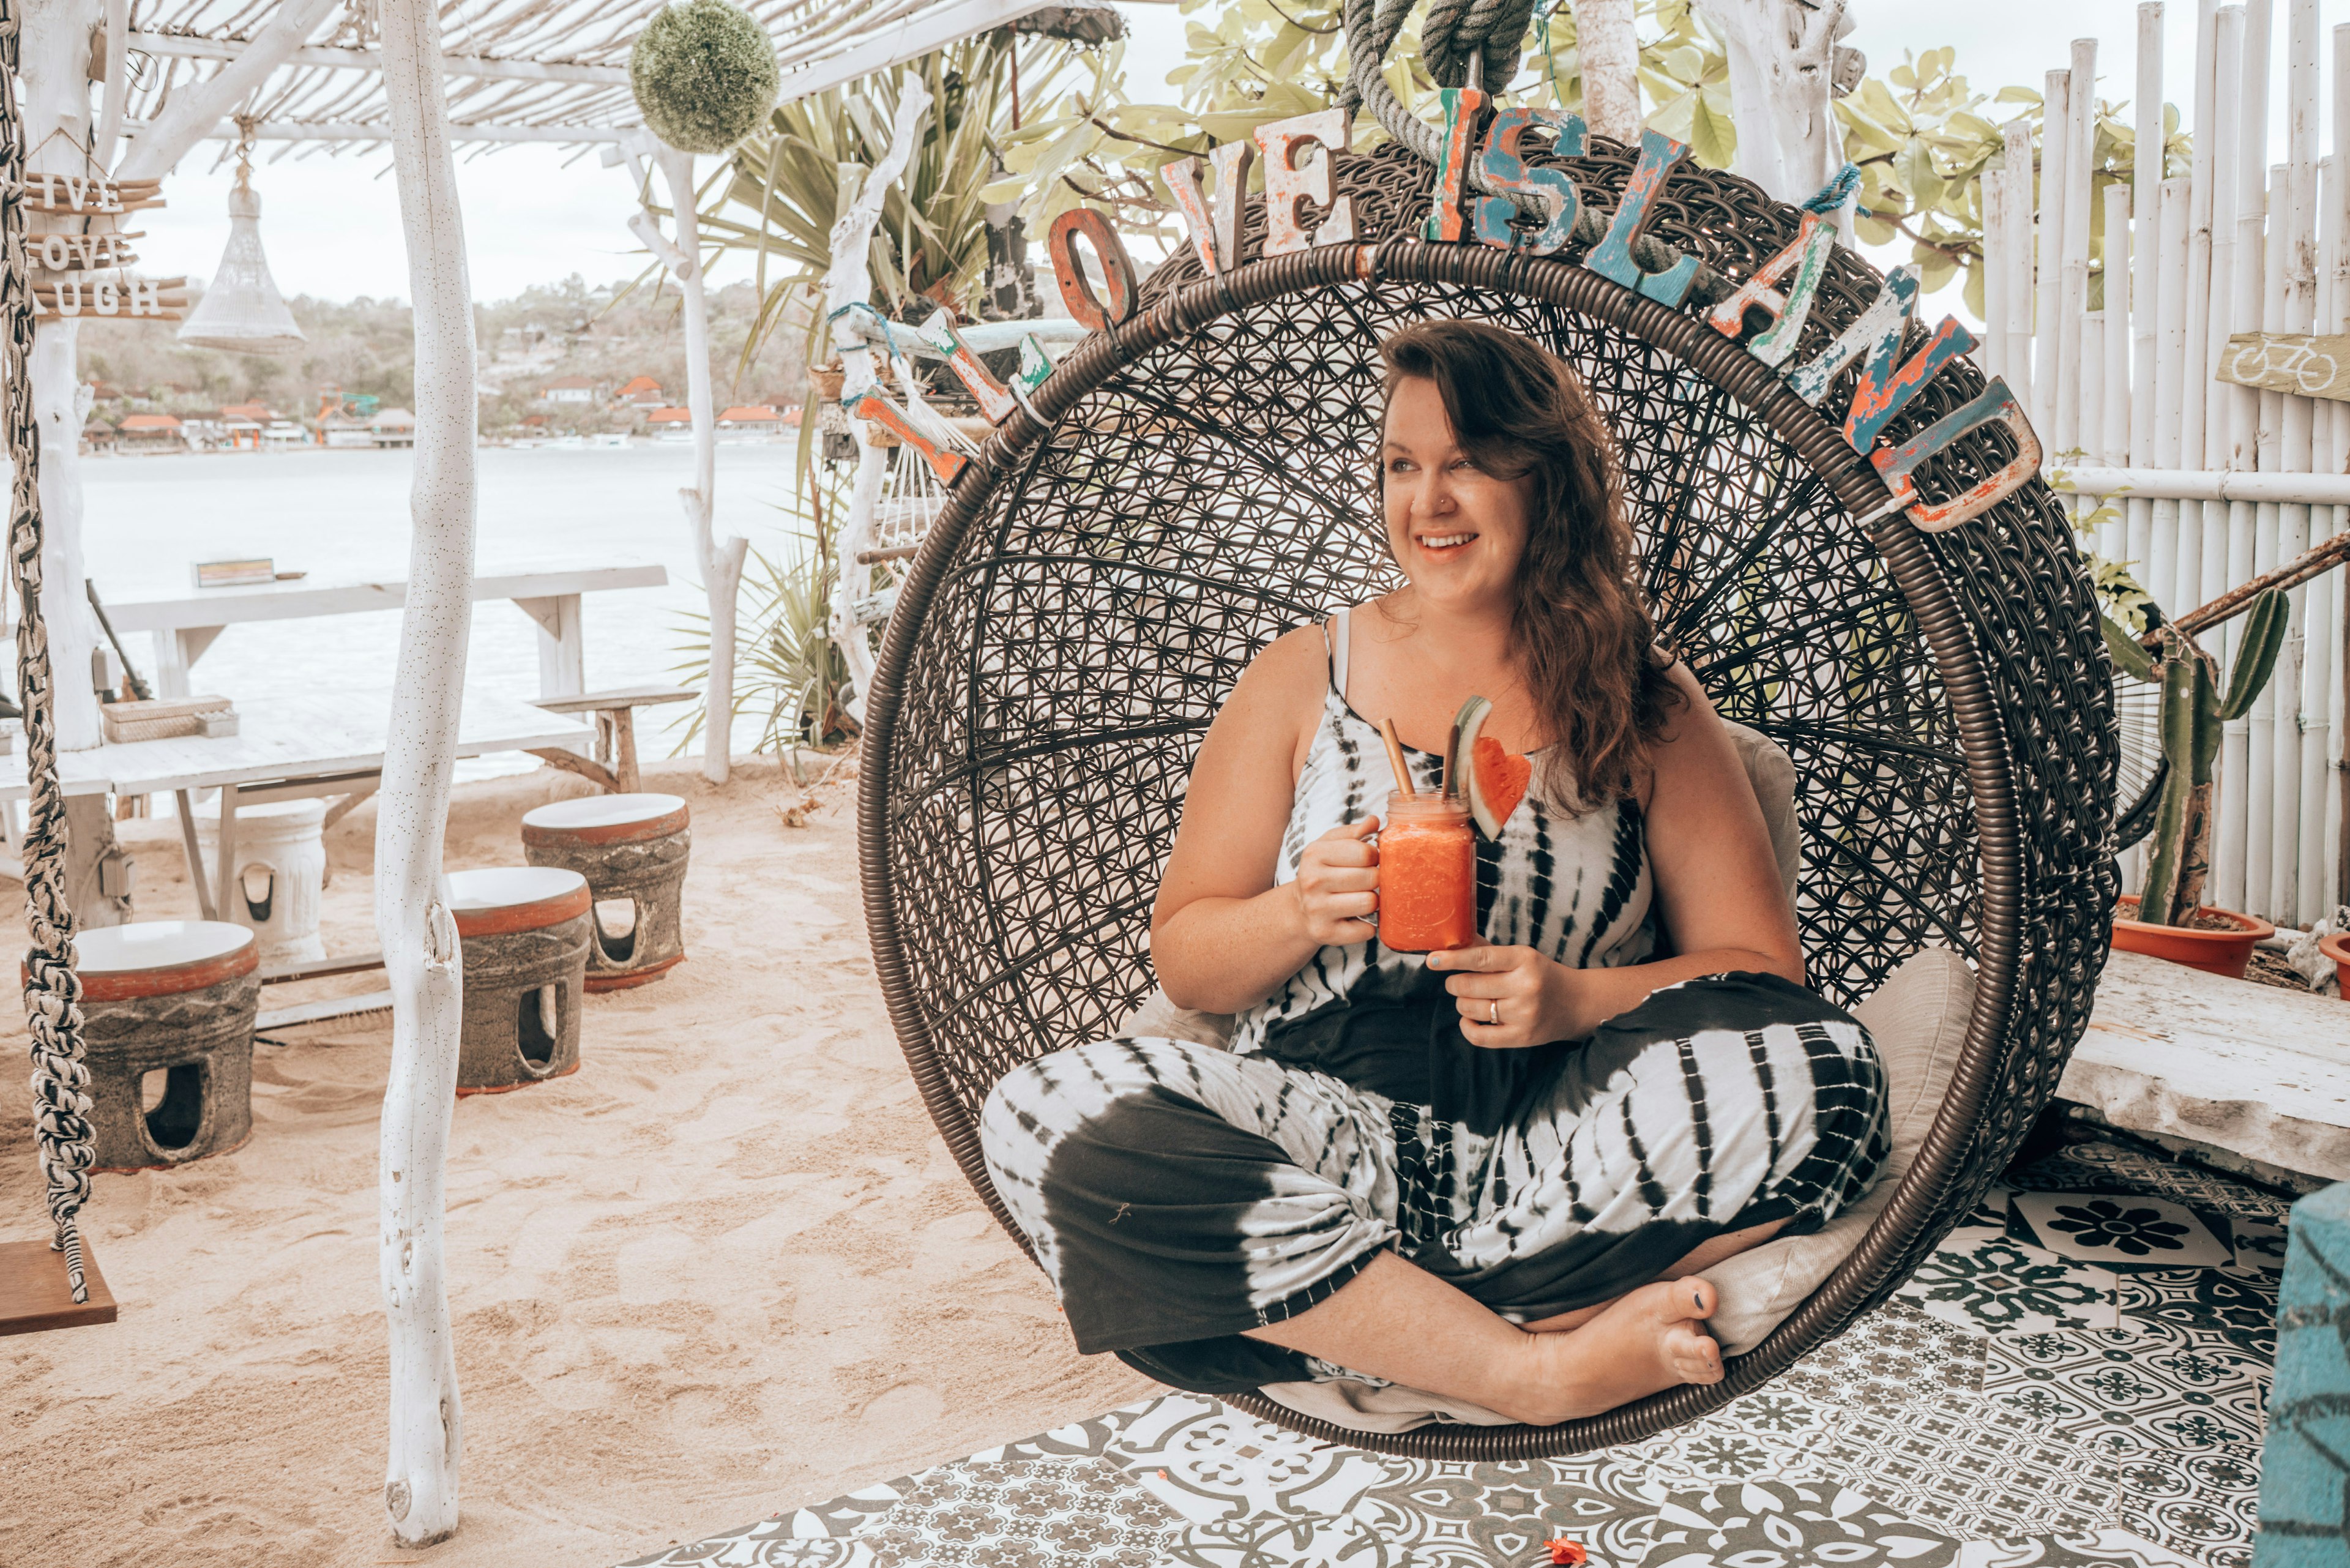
1493 1011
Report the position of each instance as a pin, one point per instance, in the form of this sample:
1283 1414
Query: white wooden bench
185 628
2232 1065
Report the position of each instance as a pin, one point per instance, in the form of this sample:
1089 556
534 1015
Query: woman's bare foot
1650 1339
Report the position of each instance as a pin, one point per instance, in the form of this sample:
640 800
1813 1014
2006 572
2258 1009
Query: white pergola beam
910 39
163 142
174 45
339 130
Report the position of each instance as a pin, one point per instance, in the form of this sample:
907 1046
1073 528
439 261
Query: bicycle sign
2297 362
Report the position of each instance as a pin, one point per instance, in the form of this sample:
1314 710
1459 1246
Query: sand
725 1270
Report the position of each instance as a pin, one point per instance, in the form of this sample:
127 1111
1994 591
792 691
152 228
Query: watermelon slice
1493 780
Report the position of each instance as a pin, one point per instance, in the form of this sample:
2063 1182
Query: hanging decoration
1537 209
242 311
704 74
78 255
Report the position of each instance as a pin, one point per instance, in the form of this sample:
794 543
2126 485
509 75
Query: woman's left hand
1509 997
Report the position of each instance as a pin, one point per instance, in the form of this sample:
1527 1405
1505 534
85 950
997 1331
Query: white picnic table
183 627
290 748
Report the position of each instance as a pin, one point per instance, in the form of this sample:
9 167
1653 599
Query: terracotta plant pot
2337 948
2218 952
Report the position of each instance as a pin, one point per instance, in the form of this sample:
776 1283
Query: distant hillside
368 346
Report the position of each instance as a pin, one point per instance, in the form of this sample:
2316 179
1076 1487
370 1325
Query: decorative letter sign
1463 108
878 407
1504 214
1898 463
1612 256
1035 365
1877 333
1286 185
1504 165
1117 271
1182 181
1809 257
986 390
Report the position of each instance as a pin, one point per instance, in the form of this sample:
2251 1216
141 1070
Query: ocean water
342 517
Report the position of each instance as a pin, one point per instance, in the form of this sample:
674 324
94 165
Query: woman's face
1457 531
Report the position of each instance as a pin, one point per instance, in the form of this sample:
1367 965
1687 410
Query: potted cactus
2168 919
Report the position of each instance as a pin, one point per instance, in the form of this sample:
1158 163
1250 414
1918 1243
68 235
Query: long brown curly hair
1580 626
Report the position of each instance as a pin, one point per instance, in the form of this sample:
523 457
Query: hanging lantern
243 311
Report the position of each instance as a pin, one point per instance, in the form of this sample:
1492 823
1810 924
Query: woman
1492 1172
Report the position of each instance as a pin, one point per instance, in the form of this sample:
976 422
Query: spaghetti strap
1334 640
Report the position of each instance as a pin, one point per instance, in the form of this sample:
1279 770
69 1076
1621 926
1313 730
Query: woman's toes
1693 1355
1699 1294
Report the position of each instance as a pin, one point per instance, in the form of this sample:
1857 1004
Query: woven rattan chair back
1092 591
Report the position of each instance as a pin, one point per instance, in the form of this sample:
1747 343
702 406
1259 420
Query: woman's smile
1447 545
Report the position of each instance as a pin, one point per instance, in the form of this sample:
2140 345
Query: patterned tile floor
2077 1377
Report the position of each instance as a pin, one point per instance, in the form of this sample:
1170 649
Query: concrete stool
630 846
525 931
280 872
167 1012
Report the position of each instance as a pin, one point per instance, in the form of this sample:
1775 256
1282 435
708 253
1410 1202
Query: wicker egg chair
1092 591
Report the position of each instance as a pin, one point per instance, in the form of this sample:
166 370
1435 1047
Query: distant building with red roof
642 392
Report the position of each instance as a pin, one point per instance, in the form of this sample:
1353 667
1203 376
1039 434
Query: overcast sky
534 215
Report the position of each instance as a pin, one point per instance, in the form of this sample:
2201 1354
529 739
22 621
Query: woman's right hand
1338 885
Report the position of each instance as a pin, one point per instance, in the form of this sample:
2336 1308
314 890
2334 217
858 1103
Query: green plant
785 186
703 73
2193 711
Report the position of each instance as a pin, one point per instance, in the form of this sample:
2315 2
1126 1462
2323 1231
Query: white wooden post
1610 51
2198 522
421 956
2299 762
562 644
1781 81
55 63
2072 433
2142 287
195 110
720 563
2021 290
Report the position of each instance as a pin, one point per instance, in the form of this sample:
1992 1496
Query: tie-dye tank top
1576 889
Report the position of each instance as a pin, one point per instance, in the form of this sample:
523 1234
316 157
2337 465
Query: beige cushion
1919 1020
1768 769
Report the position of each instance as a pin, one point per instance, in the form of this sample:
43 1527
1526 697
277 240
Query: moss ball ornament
704 74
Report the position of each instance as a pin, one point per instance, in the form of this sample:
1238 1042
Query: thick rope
52 997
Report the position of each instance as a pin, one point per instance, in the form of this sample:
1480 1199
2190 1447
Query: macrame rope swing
1196 477
52 994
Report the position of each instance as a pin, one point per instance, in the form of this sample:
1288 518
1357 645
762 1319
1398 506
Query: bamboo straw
2088 393
1998 224
2016 135
2115 414
2073 426
2296 434
1395 760
2337 316
2048 258
2239 408
2146 271
2321 818
2196 304
2208 435
2158 526
2177 549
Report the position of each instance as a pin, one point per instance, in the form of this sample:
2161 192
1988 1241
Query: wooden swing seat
34 1294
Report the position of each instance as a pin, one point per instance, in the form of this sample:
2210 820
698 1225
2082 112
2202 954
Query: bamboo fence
2236 245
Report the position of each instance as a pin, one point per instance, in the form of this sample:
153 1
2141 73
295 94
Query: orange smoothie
1427 874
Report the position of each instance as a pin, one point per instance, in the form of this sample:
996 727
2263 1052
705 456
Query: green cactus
2193 713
